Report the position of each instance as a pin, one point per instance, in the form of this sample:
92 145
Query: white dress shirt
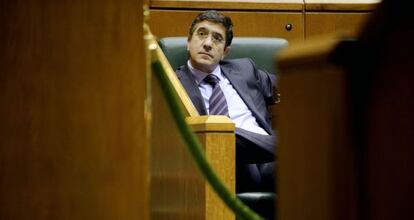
239 113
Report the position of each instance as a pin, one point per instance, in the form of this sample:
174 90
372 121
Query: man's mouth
204 53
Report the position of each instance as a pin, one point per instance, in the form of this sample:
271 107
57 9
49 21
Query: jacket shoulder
180 71
238 64
238 61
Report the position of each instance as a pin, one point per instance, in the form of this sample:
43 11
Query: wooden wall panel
255 5
72 130
259 24
320 23
341 5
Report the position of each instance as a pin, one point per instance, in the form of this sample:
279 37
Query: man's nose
207 44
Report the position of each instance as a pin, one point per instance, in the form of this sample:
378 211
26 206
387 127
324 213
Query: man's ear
188 42
226 51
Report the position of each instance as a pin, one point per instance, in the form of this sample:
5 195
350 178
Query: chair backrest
259 49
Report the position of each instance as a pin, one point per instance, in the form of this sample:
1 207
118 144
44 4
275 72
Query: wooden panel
286 5
258 24
72 131
341 5
222 156
383 105
216 133
316 160
178 190
320 23
177 187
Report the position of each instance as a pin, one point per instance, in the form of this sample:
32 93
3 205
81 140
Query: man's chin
205 66
208 62
205 59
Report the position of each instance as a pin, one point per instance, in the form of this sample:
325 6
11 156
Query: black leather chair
262 51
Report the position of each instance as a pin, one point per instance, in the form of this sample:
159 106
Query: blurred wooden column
346 126
317 164
72 130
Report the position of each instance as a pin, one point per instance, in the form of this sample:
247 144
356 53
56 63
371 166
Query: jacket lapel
189 83
239 84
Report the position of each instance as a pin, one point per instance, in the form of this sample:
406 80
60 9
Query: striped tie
217 102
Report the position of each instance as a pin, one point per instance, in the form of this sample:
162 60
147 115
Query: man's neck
203 68
199 74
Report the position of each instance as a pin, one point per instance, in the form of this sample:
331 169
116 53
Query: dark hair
215 17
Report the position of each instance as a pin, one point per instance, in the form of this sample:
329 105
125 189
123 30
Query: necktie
217 101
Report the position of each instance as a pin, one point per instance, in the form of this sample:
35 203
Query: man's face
207 45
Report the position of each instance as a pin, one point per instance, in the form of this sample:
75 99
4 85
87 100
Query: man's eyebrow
201 28
219 34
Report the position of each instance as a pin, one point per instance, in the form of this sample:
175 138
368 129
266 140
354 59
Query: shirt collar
200 75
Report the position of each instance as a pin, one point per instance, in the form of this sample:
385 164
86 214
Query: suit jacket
255 87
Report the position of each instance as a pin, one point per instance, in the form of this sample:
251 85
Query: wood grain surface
72 130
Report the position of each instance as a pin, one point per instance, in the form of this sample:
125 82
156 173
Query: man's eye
202 33
218 38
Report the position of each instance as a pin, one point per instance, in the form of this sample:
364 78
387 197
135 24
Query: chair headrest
259 49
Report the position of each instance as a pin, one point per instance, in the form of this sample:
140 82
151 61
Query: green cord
194 146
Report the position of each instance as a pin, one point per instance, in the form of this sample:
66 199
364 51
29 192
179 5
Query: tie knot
211 79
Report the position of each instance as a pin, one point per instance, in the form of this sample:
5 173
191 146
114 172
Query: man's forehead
211 26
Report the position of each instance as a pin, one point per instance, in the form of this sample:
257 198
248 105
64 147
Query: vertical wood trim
216 133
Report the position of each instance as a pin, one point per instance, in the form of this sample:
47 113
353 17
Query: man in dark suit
243 93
